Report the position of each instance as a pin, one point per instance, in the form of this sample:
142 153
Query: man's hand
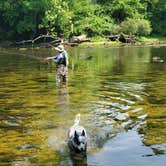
49 58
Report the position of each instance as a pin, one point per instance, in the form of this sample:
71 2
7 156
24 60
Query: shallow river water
119 92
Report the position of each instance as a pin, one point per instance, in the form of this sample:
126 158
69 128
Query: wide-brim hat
59 48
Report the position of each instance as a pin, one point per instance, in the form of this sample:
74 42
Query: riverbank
140 41
94 42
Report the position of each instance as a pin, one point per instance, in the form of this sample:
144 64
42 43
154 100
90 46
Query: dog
77 137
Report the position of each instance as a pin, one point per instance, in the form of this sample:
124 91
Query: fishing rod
25 55
43 60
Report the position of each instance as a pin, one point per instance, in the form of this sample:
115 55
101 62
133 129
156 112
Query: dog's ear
75 134
83 133
76 140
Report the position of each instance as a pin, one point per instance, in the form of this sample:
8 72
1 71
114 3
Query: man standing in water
61 59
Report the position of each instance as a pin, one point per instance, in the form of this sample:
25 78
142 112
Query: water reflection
78 159
117 91
63 96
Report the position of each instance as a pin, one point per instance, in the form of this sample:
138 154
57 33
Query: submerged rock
157 59
27 146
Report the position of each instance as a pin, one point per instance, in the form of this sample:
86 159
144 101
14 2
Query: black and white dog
77 137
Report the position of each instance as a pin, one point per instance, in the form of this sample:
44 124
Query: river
119 92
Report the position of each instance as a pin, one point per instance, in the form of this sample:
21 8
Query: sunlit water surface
119 92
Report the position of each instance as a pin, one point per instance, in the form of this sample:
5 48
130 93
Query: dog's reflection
78 159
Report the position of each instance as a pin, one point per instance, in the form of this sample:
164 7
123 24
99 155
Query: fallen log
79 39
114 38
124 38
54 40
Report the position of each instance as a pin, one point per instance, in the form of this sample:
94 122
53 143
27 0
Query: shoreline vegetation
140 41
110 23
93 42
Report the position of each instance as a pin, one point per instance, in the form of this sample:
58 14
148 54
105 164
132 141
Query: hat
59 48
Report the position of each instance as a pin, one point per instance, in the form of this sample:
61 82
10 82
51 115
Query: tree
21 18
26 19
158 17
120 10
57 18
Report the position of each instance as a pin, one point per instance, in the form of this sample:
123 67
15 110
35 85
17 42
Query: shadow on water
119 93
78 160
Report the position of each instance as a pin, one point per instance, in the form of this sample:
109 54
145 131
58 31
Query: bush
143 27
115 29
139 27
129 27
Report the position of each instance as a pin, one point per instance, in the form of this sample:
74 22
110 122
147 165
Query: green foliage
26 19
139 27
21 18
115 29
143 27
120 10
57 18
93 26
74 18
129 26
158 17
88 19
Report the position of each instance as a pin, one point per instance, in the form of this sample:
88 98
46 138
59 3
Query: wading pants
61 73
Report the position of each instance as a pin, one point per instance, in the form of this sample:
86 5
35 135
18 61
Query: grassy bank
152 39
97 42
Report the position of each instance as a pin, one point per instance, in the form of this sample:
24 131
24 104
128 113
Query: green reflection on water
114 89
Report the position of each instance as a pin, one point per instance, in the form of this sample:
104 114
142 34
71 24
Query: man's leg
64 73
58 75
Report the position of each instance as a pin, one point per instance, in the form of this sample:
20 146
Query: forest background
27 19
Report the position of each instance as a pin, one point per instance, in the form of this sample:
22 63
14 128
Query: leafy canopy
26 19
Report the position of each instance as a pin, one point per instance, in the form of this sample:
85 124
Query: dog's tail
77 120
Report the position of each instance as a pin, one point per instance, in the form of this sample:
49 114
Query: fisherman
61 59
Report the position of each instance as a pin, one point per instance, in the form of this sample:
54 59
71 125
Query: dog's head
80 140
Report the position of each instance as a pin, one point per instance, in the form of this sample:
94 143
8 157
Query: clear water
119 92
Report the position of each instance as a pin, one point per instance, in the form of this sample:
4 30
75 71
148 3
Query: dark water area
119 92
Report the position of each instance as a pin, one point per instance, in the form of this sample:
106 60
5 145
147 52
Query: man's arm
50 58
